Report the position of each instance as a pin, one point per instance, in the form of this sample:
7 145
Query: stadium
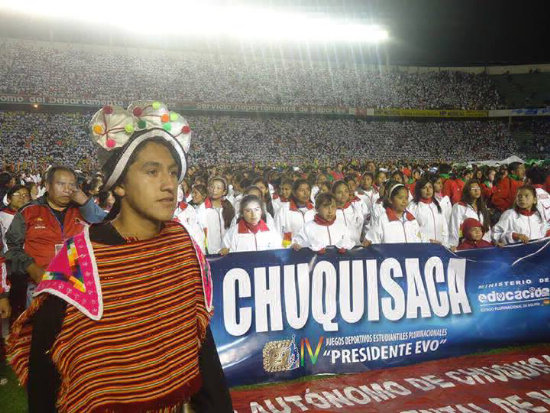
395 127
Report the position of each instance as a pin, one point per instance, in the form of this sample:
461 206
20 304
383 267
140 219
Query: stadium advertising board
432 113
283 314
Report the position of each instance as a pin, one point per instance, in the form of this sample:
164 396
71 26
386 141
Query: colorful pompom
165 118
107 110
173 116
156 105
129 128
98 129
110 143
137 111
142 124
167 127
186 129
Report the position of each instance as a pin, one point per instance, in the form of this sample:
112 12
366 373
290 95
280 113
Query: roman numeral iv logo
313 356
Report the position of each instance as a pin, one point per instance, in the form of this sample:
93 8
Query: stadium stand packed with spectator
222 140
75 71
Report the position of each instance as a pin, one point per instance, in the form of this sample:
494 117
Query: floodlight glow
199 19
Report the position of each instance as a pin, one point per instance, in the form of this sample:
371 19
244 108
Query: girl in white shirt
186 215
215 215
396 224
289 221
251 233
325 230
368 193
522 223
444 201
471 205
429 214
348 210
281 199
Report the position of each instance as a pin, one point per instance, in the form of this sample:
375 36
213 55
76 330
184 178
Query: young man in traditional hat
120 320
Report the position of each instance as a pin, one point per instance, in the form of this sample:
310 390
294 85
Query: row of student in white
383 219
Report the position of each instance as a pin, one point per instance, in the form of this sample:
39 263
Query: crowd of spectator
228 140
100 72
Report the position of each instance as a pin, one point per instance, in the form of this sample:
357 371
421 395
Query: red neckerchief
245 228
208 202
294 207
183 205
539 186
393 217
8 210
426 201
356 199
280 198
321 221
525 212
346 205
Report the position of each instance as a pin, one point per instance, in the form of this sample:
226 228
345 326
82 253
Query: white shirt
446 206
352 219
239 238
433 224
543 204
289 221
316 236
369 198
188 218
212 223
6 217
389 229
459 213
511 222
278 204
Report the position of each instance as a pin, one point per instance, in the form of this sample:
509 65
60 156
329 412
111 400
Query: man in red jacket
39 229
506 189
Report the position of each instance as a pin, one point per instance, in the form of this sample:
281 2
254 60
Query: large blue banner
283 314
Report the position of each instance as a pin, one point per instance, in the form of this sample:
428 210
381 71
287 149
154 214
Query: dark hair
536 175
401 174
5 178
367 174
325 184
481 206
267 197
336 184
201 189
228 211
247 199
297 183
421 183
58 168
513 166
533 191
102 197
16 188
486 173
244 183
444 168
388 195
324 198
349 178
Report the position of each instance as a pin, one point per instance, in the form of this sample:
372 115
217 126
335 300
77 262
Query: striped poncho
141 352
